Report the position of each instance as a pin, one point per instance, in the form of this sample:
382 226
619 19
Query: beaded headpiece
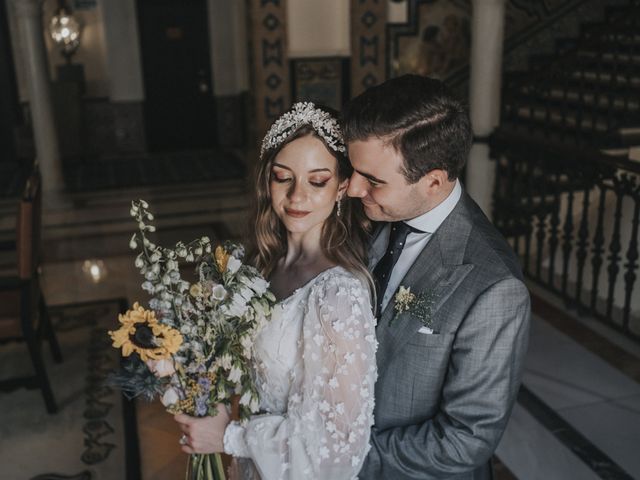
304 113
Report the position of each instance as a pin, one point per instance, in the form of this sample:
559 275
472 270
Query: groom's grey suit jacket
442 400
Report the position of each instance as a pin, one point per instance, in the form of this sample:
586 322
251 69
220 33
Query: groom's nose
358 186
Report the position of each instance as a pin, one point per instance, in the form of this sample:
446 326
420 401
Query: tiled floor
586 380
595 398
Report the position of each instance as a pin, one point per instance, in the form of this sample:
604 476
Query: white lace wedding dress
315 369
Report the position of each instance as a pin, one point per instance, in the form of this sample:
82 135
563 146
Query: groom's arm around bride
450 357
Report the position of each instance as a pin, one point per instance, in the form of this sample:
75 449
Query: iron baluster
632 264
583 242
553 228
567 244
598 250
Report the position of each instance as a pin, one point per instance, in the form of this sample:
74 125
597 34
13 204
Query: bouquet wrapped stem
192 348
205 466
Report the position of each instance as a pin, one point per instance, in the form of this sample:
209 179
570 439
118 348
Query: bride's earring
339 208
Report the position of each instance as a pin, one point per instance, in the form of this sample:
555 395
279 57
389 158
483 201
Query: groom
451 348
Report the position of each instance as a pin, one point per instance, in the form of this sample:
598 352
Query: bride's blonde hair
343 239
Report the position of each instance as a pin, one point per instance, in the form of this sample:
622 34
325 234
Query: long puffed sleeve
325 432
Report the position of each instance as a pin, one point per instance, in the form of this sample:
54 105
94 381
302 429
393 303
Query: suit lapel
378 246
439 269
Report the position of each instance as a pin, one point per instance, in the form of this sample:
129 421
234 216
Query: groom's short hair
418 115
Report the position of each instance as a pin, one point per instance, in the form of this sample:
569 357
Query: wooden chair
23 312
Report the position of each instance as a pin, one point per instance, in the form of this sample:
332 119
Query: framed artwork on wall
322 80
435 42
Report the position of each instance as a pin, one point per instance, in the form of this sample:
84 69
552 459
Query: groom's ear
434 180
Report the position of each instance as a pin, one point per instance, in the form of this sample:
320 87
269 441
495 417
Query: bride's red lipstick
296 213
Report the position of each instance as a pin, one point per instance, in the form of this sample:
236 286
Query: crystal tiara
304 113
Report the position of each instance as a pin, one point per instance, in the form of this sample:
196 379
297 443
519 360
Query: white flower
237 307
132 243
139 263
235 374
246 341
257 284
254 406
161 368
170 397
218 293
172 265
233 264
225 361
245 399
246 293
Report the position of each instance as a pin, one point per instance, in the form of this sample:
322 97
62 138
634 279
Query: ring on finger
184 440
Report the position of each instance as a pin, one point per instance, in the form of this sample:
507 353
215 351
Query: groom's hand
204 434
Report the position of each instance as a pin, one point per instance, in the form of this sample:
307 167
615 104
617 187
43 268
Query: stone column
271 77
230 64
29 13
368 40
487 36
124 66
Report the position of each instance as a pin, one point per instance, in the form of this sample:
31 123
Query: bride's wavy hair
343 239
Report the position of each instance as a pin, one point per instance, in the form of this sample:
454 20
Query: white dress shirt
428 223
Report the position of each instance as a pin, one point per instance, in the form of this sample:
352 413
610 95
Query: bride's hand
204 434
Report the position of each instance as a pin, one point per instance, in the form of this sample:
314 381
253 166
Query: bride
314 362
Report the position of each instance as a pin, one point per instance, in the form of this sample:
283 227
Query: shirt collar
430 221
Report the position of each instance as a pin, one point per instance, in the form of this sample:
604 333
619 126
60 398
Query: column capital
28 8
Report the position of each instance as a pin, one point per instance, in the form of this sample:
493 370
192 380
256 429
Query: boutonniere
419 306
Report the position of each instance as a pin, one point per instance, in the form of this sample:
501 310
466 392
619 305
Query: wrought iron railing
572 216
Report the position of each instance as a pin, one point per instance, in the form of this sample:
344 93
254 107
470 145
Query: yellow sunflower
141 333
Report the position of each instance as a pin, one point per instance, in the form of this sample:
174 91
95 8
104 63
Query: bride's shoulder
337 278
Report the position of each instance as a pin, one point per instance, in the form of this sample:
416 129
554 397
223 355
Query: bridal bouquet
192 347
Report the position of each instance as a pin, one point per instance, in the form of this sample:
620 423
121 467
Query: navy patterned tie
382 271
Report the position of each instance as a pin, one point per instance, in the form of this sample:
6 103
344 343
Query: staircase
587 94
567 190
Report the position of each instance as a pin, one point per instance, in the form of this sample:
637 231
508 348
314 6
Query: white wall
229 46
318 28
123 58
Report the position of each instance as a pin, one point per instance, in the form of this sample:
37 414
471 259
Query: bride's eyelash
275 178
319 184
